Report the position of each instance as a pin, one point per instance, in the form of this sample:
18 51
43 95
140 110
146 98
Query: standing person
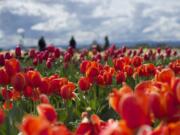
106 45
42 44
72 43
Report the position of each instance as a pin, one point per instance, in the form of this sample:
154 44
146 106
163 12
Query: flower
18 51
120 77
48 112
4 77
18 81
136 61
84 83
12 66
67 90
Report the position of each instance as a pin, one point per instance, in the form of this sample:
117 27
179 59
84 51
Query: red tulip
128 69
57 53
44 99
156 105
44 86
84 65
132 111
35 61
119 64
159 50
32 53
28 91
120 77
4 78
48 64
84 83
67 57
33 78
48 112
7 94
18 81
18 51
8 55
137 61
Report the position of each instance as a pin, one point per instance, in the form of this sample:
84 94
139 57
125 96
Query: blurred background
129 22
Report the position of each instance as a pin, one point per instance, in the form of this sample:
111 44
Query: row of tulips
30 83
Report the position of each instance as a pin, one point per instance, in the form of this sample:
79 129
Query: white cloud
56 24
33 8
20 30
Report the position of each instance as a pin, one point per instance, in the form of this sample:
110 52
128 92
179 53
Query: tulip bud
18 51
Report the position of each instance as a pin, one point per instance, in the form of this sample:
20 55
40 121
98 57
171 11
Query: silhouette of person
106 45
42 44
72 42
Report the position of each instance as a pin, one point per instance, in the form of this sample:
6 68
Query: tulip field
118 91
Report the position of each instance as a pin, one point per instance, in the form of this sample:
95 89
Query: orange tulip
92 73
60 129
34 125
116 96
12 66
67 90
166 76
7 105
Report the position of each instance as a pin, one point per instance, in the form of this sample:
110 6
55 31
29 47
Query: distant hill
130 44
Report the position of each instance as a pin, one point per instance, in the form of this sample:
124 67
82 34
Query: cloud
20 30
90 20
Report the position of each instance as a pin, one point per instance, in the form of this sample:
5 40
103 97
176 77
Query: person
42 44
72 43
106 45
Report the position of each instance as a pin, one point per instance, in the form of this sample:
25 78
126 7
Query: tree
72 42
106 45
42 44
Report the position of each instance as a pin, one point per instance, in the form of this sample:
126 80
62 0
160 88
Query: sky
88 20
